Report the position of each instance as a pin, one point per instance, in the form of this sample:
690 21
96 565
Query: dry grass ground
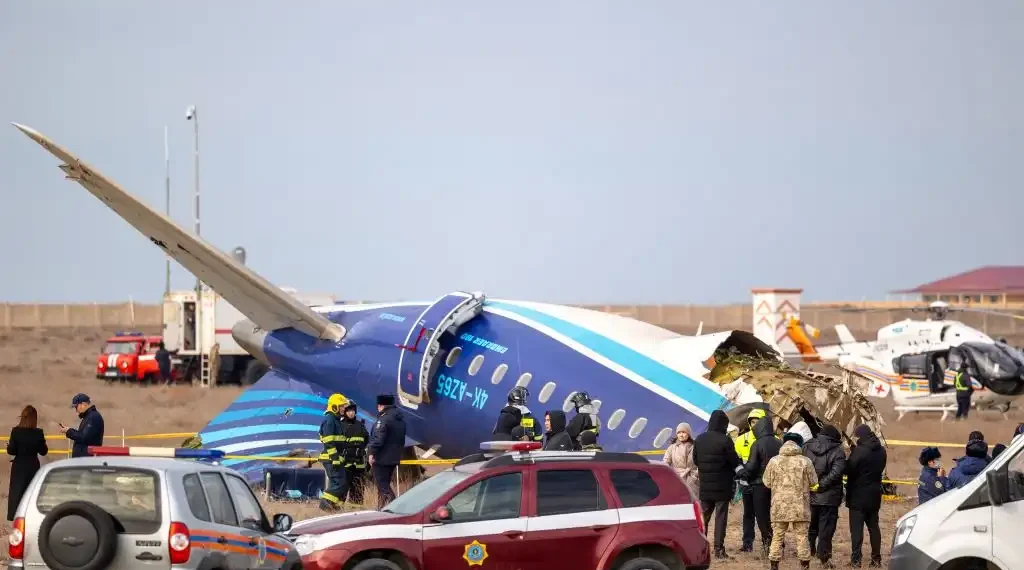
46 369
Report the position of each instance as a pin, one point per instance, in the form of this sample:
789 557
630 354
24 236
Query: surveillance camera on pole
190 115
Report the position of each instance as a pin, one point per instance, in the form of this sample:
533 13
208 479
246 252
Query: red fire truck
129 357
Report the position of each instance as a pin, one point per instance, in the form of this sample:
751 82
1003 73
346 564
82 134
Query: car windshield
121 348
422 494
130 495
995 361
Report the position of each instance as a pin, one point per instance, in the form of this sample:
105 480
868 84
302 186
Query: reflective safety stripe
329 497
959 383
332 439
356 439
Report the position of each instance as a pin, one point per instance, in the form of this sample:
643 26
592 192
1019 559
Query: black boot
855 561
720 554
876 561
805 563
775 564
827 563
747 547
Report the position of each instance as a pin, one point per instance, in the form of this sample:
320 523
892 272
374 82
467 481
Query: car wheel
376 564
643 564
77 535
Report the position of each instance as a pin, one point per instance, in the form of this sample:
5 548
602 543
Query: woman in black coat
27 443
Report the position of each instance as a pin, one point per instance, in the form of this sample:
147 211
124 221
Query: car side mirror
282 522
441 514
998 487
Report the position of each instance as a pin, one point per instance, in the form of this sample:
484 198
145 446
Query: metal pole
193 115
167 206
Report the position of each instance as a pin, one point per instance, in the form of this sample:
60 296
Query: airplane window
616 419
597 405
545 392
453 356
663 436
567 404
499 373
637 427
524 380
475 365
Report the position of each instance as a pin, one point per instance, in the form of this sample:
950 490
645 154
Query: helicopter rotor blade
989 312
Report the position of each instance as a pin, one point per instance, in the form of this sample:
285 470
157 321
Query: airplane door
422 343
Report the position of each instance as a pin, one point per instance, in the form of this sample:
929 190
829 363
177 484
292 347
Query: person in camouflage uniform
791 477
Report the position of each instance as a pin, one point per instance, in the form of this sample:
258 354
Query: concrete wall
680 318
91 315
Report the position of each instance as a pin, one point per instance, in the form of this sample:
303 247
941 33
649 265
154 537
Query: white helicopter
917 360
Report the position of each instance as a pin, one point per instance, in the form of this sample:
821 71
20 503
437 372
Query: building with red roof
990 285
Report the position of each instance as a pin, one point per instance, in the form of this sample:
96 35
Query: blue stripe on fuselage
704 397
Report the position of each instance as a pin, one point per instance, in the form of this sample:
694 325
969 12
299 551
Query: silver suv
127 513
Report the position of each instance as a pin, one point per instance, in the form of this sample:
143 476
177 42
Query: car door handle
513 533
222 540
252 542
600 527
149 557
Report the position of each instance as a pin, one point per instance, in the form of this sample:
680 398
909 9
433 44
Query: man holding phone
90 430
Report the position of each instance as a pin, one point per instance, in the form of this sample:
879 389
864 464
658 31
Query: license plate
111 373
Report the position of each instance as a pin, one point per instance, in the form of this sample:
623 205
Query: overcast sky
582 151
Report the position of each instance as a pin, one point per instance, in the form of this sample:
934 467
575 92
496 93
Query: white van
978 526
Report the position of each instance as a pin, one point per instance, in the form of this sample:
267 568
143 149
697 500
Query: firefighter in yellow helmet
333 438
743 444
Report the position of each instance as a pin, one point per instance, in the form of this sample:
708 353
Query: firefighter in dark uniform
508 418
333 439
585 420
353 454
516 413
964 389
385 449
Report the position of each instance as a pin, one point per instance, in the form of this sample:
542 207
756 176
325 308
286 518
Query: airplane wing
264 304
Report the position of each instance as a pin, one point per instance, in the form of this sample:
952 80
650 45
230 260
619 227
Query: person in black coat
385 449
765 446
826 453
24 447
864 471
717 463
555 436
163 362
508 418
90 430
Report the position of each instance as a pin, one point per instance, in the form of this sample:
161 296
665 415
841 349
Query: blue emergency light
171 452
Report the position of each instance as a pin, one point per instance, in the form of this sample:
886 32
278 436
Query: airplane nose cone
251 338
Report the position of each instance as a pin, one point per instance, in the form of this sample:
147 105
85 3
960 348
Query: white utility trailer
207 354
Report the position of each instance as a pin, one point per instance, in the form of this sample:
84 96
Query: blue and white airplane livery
450 362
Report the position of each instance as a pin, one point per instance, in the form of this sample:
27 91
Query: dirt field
46 369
